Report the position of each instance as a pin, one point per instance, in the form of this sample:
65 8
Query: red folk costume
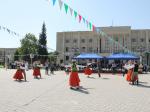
36 72
18 75
129 75
74 78
87 71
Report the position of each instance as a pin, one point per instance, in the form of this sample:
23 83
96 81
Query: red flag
93 28
80 18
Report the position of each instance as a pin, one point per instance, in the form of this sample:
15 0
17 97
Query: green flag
66 8
75 14
90 25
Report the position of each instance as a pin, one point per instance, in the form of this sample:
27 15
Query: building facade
112 40
7 54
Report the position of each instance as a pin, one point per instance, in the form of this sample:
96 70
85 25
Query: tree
42 48
16 55
28 46
53 56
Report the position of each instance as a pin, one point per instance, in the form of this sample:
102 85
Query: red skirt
130 76
87 71
36 72
74 79
18 75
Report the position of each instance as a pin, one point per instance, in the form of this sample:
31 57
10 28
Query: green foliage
42 50
16 55
28 46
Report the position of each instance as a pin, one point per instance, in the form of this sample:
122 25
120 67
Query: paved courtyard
111 93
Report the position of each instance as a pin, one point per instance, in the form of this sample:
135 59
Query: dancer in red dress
132 72
36 71
74 78
18 75
87 71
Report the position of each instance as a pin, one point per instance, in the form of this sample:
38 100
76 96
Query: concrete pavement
111 93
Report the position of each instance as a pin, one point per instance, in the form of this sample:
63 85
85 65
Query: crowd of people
130 69
23 66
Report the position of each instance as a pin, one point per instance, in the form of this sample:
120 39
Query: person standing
130 68
74 78
135 74
26 66
99 69
46 67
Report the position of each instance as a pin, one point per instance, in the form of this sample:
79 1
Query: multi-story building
113 39
7 54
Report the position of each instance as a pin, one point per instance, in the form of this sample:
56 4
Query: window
66 41
142 40
83 49
90 49
133 40
74 41
67 58
67 49
83 40
90 40
149 40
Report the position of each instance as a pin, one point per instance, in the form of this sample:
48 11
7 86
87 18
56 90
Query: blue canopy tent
88 56
122 56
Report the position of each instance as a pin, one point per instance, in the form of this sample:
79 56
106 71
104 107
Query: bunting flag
83 19
66 8
87 23
75 14
9 31
71 10
80 18
54 1
60 4
93 27
90 25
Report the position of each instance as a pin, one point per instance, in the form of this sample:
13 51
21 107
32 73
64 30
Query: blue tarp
123 56
88 56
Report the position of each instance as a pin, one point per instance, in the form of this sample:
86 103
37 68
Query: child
87 71
18 75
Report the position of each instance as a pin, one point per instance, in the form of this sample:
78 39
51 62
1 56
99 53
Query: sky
27 16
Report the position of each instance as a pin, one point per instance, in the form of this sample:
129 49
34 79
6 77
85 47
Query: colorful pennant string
72 11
